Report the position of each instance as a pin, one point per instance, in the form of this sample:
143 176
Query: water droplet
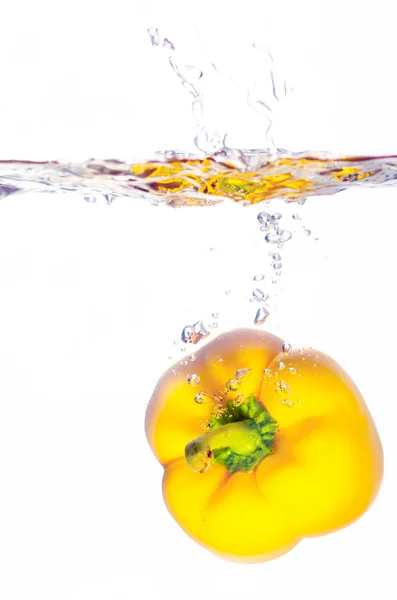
259 277
281 366
296 217
239 400
286 348
193 380
261 316
192 357
242 373
258 295
192 334
292 370
90 198
308 232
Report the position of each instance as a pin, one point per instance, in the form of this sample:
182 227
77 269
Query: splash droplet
261 316
193 380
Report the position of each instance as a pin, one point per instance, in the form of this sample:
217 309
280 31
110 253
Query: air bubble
192 357
90 198
267 373
281 366
239 400
242 373
292 370
261 316
215 315
281 386
264 218
259 277
192 334
199 398
258 295
193 380
233 385
288 403
286 348
277 266
296 217
308 232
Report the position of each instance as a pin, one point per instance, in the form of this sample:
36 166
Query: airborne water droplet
261 316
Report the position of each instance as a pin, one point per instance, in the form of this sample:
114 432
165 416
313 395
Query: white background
93 296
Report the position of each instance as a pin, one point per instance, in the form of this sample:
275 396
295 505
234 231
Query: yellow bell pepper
262 446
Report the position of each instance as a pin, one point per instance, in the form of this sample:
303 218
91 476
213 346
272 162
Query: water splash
176 179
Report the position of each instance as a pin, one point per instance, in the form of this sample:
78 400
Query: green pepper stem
239 439
242 438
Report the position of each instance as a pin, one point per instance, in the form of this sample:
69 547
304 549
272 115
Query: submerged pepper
270 447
